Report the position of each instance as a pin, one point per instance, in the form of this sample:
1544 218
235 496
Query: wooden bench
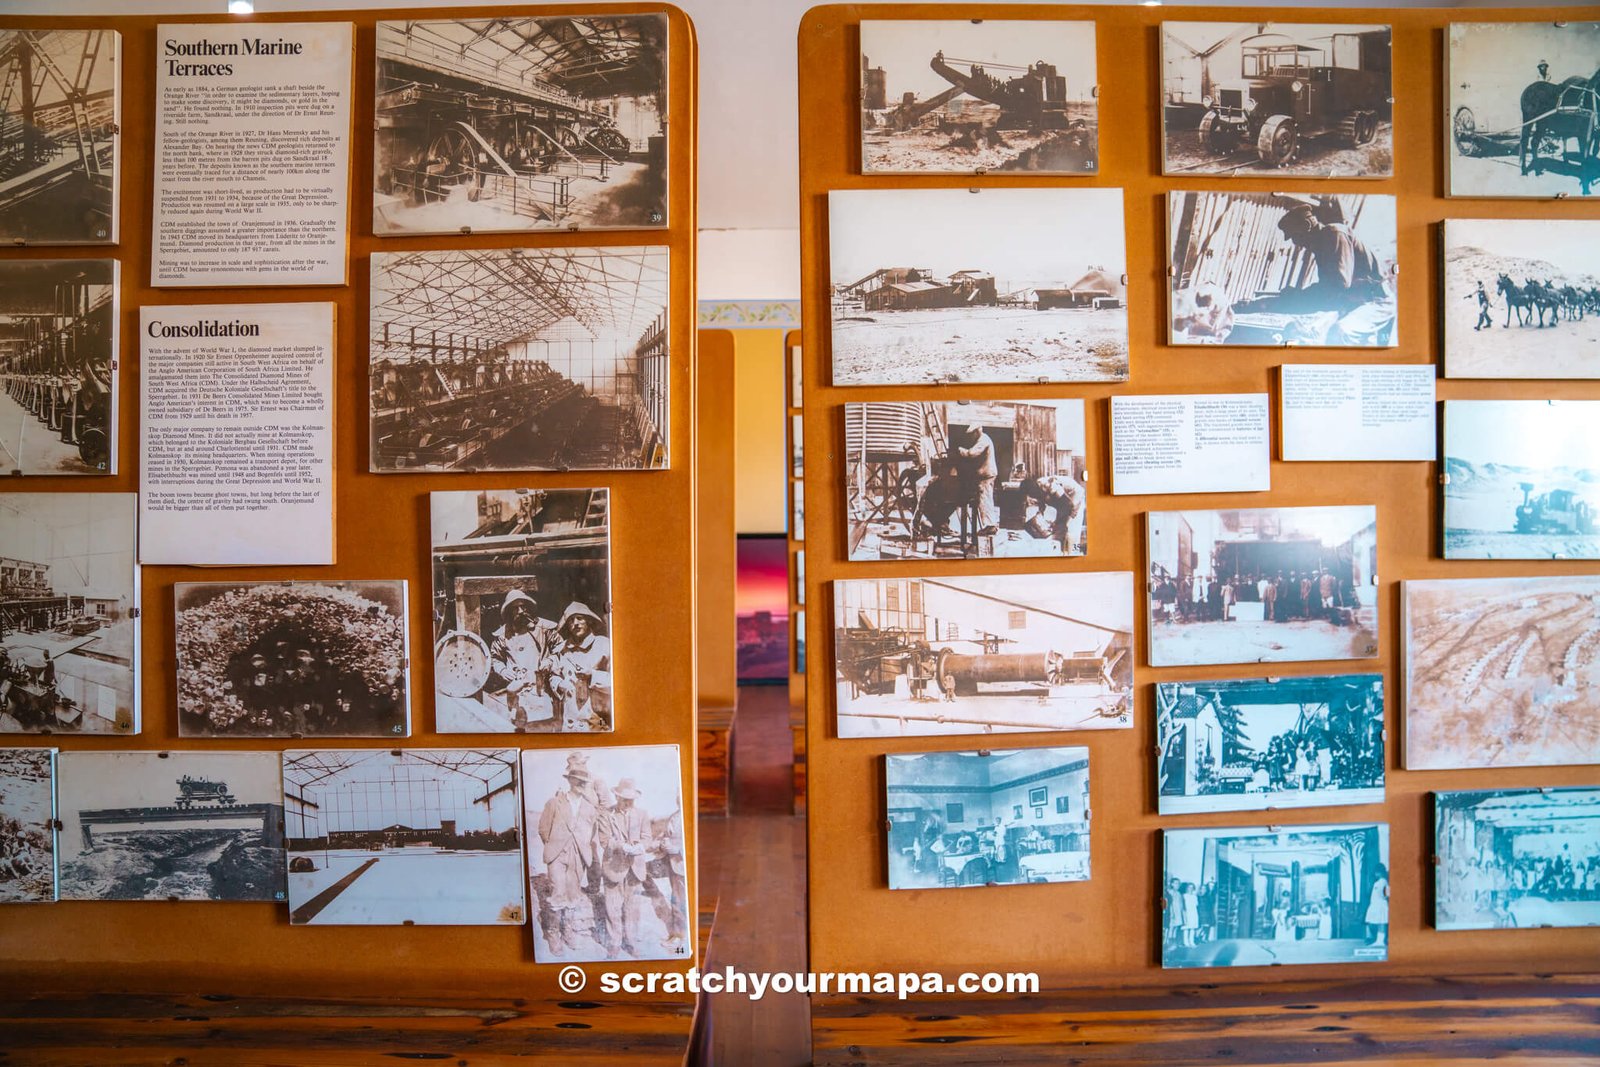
716 759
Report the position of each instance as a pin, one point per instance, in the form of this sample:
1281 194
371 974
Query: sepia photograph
983 654
1259 896
1022 99
608 873
1516 858
522 611
170 825
1257 744
1522 103
1520 479
1521 297
1501 672
1275 269
1263 585
420 837
1010 285
59 132
1260 99
1003 817
27 825
513 359
69 606
965 479
292 659
58 354
512 124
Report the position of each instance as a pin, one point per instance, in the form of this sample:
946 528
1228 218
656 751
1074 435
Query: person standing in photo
627 840
581 679
1191 914
568 826
974 455
1378 908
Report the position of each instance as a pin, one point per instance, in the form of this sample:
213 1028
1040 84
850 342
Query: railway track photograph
27 826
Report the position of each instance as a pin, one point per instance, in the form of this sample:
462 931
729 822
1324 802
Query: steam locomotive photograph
1524 109
1279 98
513 124
983 654
27 826
1522 479
977 95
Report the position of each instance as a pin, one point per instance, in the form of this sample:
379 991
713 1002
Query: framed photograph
522 611
800 642
513 124
1519 479
1262 585
170 825
1009 285
983 653
1257 744
1063 805
61 137
70 653
575 377
928 850
940 479
798 529
797 441
1501 672
414 837
1276 269
1516 858
1520 109
1521 297
27 824
608 873
1024 99
1258 896
761 590
1263 99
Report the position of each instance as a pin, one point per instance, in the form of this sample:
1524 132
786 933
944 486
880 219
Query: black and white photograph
1000 817
522 611
514 359
170 825
1263 585
968 479
983 654
292 659
607 869
1501 672
414 837
58 354
27 825
1276 269
1521 479
69 607
1255 744
1264 99
1522 102
512 124
964 96
1516 858
1522 297
60 121
1008 285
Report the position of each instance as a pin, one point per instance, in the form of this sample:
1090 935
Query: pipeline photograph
59 134
1501 672
514 359
965 479
1521 479
1510 858
1254 744
1260 99
1002 285
522 611
170 826
1010 817
1521 298
27 824
1276 269
1523 107
983 654
515 124
1263 585
1022 99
